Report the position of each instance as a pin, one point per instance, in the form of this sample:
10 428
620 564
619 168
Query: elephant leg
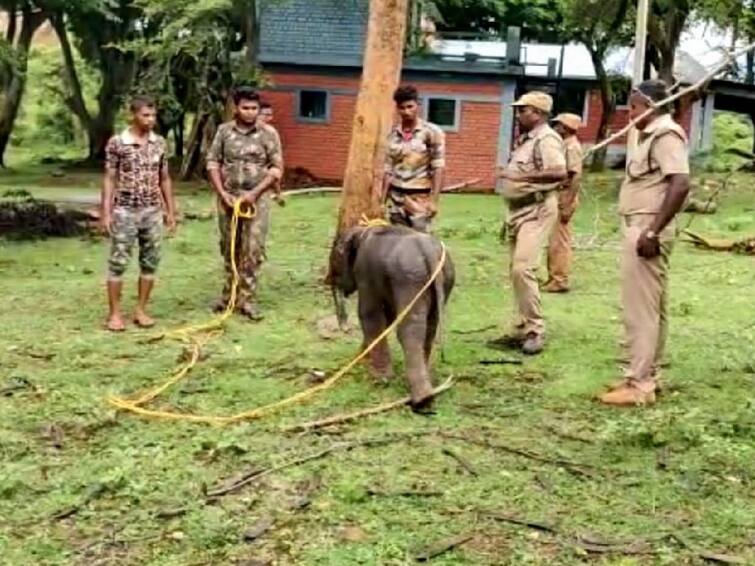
412 333
373 321
433 317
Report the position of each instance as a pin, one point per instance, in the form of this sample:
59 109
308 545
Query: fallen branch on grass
348 417
744 246
258 474
466 465
441 547
699 85
575 468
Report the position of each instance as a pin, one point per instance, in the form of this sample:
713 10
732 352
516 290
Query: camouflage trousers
250 249
414 209
129 226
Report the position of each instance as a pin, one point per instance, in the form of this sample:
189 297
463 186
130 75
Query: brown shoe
628 395
553 287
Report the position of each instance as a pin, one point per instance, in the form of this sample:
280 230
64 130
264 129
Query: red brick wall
589 133
322 149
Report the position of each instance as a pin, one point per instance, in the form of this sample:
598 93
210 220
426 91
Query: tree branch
699 85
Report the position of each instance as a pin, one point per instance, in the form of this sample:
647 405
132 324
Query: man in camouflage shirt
136 194
244 162
415 159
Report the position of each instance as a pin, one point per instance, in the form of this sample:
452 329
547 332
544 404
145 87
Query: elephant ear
343 259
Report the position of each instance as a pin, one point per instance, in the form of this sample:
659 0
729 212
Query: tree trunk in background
75 99
118 69
384 48
251 35
14 91
609 108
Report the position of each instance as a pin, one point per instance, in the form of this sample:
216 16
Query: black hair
655 90
245 93
406 93
265 105
141 101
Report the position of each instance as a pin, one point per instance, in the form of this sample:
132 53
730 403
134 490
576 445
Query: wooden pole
640 47
381 72
640 42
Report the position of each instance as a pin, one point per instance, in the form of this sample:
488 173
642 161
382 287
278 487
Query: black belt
527 200
404 191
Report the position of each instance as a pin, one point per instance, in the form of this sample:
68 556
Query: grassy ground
671 482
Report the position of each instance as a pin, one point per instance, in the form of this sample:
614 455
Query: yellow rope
185 335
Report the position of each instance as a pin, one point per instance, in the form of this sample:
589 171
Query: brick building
313 55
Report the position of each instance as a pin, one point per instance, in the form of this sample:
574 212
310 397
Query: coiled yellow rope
215 328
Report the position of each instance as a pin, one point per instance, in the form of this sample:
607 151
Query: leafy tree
14 60
738 17
101 29
600 26
540 20
666 22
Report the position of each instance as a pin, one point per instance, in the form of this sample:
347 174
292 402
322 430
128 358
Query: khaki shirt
537 150
412 160
138 169
661 151
245 157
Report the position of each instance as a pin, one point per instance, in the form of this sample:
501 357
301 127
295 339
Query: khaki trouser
560 254
251 235
644 298
529 230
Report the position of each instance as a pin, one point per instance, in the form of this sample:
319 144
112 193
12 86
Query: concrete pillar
506 129
707 134
695 129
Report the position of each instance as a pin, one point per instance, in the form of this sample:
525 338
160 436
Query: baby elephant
388 266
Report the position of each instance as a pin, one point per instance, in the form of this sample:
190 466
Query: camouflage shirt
245 157
138 169
411 158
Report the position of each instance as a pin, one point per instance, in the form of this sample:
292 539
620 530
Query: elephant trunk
339 301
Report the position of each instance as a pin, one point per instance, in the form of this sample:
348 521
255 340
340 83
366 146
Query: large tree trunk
193 155
74 99
609 108
117 69
381 73
14 92
251 35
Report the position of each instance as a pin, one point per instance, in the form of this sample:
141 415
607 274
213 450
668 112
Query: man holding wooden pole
653 193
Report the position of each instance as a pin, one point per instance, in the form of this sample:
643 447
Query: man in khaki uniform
560 247
536 169
654 191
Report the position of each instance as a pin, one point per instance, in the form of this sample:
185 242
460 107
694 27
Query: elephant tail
440 305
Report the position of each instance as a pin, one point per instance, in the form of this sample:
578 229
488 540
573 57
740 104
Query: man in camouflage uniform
244 163
136 194
560 247
415 159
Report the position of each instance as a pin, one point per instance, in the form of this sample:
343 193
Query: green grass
684 466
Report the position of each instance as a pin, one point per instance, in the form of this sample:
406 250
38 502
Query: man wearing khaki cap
559 249
535 171
654 190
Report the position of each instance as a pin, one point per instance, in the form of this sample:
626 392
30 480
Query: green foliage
46 126
731 131
540 20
